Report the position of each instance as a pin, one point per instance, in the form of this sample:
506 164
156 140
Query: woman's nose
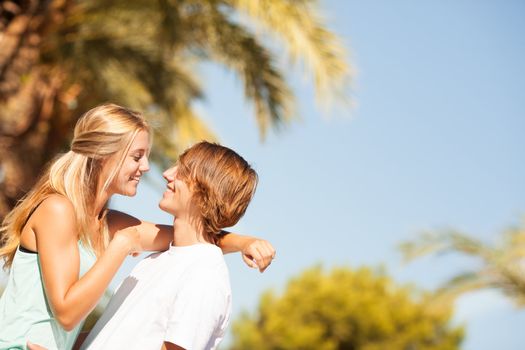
145 165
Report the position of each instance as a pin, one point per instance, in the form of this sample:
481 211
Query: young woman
63 246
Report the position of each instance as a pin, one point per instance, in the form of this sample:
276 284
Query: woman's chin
132 189
129 192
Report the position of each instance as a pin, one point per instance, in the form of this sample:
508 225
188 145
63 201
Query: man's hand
258 253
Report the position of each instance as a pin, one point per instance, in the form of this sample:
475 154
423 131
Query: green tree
346 309
59 58
502 264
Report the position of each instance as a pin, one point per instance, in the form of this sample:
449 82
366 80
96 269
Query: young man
181 298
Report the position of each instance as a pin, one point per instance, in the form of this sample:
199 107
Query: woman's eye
136 158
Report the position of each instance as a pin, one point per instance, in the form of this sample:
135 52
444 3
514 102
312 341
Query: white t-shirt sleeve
199 314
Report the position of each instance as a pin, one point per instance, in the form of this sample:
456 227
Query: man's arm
256 253
153 237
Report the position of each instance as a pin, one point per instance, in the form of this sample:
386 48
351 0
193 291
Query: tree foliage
58 58
346 309
502 264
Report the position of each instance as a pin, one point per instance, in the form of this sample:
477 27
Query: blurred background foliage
59 58
347 309
502 265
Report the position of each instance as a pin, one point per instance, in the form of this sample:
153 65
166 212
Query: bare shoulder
55 212
57 204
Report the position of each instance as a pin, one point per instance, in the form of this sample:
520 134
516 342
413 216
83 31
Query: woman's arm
70 298
256 253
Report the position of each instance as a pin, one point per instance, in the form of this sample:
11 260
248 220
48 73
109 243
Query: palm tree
59 58
502 266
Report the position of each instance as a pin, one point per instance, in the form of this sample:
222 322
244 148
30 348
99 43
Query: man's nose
169 174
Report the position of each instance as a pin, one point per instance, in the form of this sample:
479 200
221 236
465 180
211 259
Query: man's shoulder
207 272
208 257
210 271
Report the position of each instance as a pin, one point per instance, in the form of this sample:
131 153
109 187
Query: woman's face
134 166
176 199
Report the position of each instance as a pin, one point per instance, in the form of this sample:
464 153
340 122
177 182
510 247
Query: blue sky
435 141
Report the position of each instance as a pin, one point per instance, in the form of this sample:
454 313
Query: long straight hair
102 132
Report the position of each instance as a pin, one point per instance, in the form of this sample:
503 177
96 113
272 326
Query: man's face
177 197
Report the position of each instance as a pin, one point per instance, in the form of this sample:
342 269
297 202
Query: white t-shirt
181 296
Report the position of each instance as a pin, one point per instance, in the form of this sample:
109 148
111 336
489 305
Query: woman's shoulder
55 209
55 213
56 204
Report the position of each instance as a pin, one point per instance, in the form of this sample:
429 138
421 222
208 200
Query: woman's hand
32 346
257 253
130 237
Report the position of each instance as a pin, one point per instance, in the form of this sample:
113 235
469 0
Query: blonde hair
221 182
100 133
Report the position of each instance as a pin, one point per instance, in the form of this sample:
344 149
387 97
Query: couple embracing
63 245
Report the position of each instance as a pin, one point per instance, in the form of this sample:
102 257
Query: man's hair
222 185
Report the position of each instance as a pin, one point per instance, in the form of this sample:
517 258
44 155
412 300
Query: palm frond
442 242
144 54
171 138
233 46
502 268
299 24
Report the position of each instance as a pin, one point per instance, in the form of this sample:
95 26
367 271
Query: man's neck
185 234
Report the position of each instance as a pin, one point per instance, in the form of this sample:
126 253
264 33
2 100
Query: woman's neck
97 217
100 204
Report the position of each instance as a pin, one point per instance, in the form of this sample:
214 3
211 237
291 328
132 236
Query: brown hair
100 133
222 185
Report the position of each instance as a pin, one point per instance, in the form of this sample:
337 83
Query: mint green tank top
24 311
